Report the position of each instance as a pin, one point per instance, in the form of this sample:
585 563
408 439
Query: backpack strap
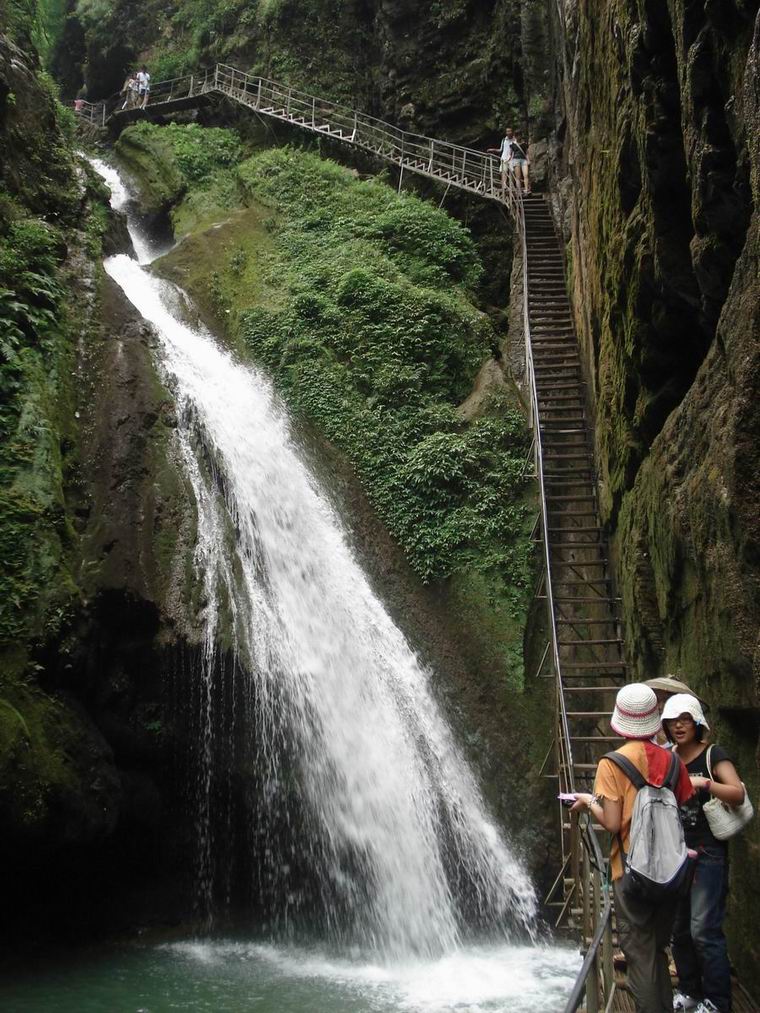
628 768
674 772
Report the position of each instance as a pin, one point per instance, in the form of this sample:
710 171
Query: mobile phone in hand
566 798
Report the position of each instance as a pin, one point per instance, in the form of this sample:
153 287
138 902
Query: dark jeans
644 944
699 946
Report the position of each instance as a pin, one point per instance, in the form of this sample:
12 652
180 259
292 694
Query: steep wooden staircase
586 616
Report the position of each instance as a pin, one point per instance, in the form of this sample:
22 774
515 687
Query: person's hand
697 781
582 801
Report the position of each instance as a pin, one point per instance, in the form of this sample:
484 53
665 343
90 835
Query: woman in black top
699 945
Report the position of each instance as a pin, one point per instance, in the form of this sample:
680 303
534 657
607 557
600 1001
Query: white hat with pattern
684 703
636 715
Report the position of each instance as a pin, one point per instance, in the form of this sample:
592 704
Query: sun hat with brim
684 703
667 684
636 714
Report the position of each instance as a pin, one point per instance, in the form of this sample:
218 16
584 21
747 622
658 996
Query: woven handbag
726 821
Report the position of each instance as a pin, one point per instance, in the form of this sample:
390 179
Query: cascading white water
405 839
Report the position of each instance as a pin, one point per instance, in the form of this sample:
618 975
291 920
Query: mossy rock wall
656 185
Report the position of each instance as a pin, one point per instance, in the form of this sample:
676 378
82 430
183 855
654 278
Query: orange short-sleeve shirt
652 762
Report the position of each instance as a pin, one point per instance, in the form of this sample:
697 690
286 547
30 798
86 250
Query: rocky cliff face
656 176
453 69
92 517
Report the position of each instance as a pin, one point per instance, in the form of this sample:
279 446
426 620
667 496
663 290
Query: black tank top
696 829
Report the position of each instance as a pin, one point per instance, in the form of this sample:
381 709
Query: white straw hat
684 703
636 714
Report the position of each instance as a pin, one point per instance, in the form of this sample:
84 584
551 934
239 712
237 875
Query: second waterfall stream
410 864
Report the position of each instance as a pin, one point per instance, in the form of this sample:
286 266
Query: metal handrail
603 926
454 164
93 112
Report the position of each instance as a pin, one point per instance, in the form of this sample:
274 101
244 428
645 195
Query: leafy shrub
198 153
377 343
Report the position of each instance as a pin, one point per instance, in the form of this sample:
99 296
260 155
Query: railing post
356 123
313 112
192 80
430 162
258 95
216 76
592 992
608 965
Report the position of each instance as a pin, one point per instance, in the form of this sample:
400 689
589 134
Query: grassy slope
362 305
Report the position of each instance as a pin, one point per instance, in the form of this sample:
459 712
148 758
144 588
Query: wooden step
596 599
564 564
590 689
587 622
563 386
590 643
597 665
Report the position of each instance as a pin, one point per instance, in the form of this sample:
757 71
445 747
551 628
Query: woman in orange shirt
644 935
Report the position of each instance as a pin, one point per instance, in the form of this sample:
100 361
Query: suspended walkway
451 164
584 652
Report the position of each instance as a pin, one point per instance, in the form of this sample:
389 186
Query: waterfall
340 712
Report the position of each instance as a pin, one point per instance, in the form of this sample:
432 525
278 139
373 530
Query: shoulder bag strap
709 763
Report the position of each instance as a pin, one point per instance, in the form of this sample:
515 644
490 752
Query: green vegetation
378 342
41 203
39 22
176 161
361 304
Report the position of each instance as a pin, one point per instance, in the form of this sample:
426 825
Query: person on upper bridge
143 86
129 91
644 927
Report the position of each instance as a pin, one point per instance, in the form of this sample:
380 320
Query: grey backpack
656 866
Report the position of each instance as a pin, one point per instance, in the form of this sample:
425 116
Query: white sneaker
706 1007
682 1003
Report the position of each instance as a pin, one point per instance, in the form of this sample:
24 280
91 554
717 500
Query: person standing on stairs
699 945
643 934
521 163
504 151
